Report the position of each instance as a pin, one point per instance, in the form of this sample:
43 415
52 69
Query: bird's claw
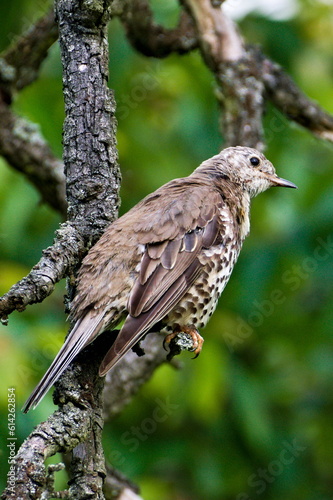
183 338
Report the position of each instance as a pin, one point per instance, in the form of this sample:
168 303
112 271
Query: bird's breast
243 216
199 302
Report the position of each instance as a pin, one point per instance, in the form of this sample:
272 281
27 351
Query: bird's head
245 167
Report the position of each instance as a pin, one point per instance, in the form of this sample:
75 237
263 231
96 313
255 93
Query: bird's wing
83 332
169 266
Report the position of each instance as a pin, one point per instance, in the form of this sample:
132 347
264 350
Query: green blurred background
252 416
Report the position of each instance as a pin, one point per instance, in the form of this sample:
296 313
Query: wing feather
210 233
145 296
135 328
167 255
147 267
191 240
83 332
170 254
155 250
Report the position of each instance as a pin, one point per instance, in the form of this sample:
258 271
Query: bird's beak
278 181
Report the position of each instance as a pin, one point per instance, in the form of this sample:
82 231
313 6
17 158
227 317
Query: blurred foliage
252 416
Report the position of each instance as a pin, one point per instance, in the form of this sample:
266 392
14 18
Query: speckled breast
199 303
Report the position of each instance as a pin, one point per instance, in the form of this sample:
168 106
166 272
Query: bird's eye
254 161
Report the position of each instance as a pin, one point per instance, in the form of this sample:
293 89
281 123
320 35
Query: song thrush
166 261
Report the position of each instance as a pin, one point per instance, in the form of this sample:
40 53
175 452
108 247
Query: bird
165 263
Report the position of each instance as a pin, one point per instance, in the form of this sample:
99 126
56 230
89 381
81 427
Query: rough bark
57 261
90 154
20 63
93 179
293 103
21 142
25 149
152 39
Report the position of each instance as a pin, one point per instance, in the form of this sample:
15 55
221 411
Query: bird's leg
191 340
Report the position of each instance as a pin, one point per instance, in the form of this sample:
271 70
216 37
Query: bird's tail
82 334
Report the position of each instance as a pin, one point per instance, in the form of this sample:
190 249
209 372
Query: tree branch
240 95
78 420
240 89
93 176
79 388
19 65
293 103
244 75
93 179
46 440
124 381
58 261
118 487
90 154
219 40
152 39
22 145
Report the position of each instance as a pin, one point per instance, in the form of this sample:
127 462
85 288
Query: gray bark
92 184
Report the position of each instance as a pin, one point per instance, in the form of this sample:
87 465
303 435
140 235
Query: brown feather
142 293
155 293
135 328
157 276
191 240
170 254
83 332
210 233
147 267
155 250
